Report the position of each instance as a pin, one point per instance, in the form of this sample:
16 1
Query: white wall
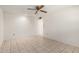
1 26
19 25
62 24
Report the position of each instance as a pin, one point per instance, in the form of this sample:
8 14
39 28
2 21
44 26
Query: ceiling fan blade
36 12
41 6
43 11
38 7
30 9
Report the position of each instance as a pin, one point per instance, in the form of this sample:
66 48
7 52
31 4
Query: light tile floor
36 45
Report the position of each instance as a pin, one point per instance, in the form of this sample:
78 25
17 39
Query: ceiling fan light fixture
40 17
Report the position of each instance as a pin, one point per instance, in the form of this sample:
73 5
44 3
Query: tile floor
36 45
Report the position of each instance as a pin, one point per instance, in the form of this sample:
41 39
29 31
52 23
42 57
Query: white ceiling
23 8
17 8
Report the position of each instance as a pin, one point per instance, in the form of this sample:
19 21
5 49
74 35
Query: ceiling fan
38 8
